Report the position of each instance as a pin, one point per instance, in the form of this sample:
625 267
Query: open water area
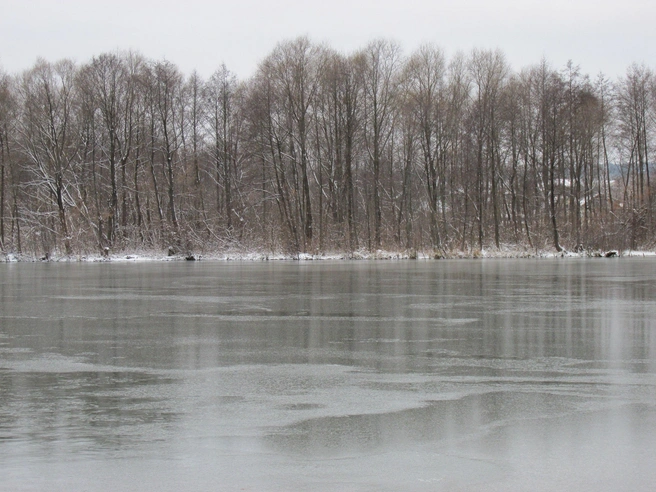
463 375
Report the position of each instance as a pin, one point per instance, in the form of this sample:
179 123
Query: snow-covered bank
154 255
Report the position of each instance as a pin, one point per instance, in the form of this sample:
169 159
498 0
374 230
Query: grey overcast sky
599 35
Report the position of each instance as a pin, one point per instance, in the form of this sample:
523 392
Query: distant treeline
322 151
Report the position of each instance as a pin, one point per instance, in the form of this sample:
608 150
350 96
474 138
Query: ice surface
329 376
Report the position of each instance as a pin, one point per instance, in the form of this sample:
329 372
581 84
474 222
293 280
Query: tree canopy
324 151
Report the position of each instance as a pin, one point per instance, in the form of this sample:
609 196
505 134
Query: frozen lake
497 375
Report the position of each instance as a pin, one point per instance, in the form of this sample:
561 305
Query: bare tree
221 94
48 135
195 91
636 122
380 62
489 70
425 89
5 102
290 77
167 85
111 79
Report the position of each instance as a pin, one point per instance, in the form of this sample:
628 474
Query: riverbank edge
360 255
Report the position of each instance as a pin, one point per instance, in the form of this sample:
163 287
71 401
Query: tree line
324 151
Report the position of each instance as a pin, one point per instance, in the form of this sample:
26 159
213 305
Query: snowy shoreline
379 255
